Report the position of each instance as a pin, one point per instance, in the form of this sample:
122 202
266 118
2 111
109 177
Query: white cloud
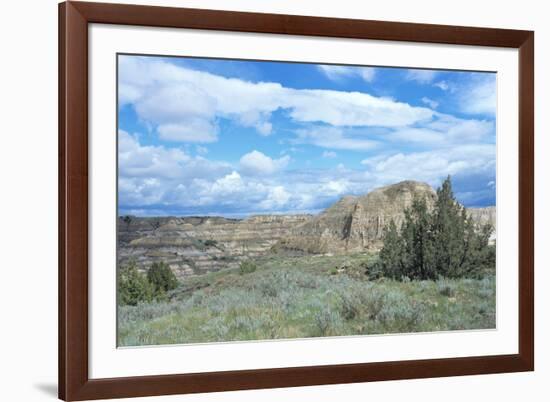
151 174
228 184
336 187
479 97
339 108
337 73
195 185
445 130
476 93
201 131
257 163
148 161
335 138
421 76
276 198
446 86
185 105
139 191
201 150
430 102
368 73
432 166
257 120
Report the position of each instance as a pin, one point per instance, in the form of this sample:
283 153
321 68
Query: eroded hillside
197 245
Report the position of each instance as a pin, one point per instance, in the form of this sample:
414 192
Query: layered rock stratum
356 223
196 245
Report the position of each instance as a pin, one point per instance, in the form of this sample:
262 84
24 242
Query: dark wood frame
74 383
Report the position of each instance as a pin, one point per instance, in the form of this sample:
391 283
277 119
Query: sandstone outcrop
357 223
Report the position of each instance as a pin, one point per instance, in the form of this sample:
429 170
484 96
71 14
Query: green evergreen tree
127 219
442 242
133 286
161 278
449 231
391 255
479 257
417 237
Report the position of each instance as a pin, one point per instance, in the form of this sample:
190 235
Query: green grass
306 297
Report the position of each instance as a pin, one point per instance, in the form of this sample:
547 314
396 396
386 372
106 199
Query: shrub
349 309
374 302
162 278
268 289
402 317
247 267
210 243
325 320
133 286
445 288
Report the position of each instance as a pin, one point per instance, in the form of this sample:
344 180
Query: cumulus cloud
276 198
337 73
257 163
231 183
148 161
336 187
155 180
433 166
196 185
148 174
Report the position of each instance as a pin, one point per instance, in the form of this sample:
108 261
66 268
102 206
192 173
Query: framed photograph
260 200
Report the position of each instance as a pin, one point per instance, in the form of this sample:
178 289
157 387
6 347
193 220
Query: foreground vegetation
434 273
295 297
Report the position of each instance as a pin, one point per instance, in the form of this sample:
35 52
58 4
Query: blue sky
234 138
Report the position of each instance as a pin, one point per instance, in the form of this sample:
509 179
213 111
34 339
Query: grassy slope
304 297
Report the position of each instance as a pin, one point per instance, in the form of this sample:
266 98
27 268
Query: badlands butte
198 245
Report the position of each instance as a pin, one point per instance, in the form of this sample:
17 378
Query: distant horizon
241 216
279 138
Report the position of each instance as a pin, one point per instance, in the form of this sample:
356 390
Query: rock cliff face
196 245
356 223
482 216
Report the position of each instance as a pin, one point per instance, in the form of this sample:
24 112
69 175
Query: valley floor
300 297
